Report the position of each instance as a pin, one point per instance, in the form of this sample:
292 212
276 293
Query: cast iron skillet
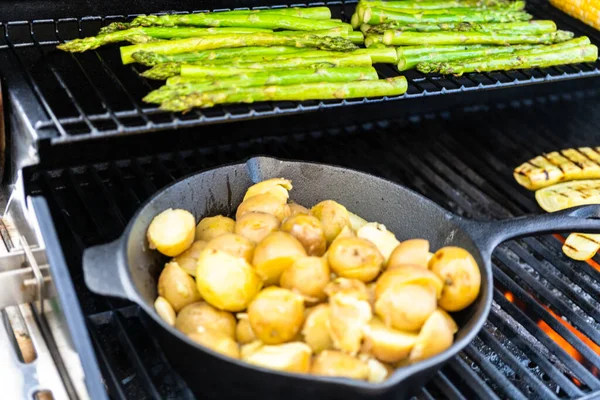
127 268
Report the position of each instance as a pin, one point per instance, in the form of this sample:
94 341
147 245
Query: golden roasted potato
255 226
435 337
266 203
315 332
457 268
177 287
289 357
171 232
307 276
378 234
333 217
226 282
296 209
387 344
216 341
243 330
338 364
356 222
408 274
274 254
211 227
197 316
378 371
278 187
410 252
406 307
449 320
236 245
276 315
164 309
348 287
308 230
355 258
189 258
347 318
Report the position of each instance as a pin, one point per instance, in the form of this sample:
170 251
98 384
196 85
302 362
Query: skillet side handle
490 234
104 272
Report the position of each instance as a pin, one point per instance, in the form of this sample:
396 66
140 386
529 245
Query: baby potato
243 330
387 344
338 364
355 258
171 232
266 203
378 234
308 230
435 337
307 276
406 307
177 287
408 274
188 259
333 217
296 209
211 227
356 222
164 309
255 226
449 320
378 372
197 316
236 245
216 341
457 268
226 282
274 254
276 315
410 252
347 318
277 187
348 287
288 357
315 331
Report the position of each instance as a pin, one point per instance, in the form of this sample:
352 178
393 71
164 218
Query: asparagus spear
356 37
376 16
371 40
406 62
588 53
414 51
531 27
325 40
276 77
308 91
443 4
355 21
150 59
399 38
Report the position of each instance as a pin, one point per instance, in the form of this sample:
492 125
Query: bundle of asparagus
456 37
247 56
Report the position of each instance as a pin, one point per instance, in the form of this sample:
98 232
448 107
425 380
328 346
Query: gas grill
84 153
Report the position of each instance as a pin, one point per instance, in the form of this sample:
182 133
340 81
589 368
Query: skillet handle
104 272
490 234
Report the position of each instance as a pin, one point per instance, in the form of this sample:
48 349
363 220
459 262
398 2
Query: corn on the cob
581 246
559 166
587 11
569 194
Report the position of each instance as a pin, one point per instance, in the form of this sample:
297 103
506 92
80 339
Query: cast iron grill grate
541 339
66 97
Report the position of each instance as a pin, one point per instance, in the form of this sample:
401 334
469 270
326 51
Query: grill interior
65 97
541 339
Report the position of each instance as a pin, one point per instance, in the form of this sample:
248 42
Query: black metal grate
463 163
65 97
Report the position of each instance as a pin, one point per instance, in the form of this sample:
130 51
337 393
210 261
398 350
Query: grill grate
523 352
91 94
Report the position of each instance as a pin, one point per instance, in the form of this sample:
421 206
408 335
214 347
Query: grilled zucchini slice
569 194
581 246
559 166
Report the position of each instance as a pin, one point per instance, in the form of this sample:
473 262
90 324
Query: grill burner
464 163
93 94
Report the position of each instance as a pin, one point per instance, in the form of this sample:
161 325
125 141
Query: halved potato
315 332
177 287
378 234
435 337
296 209
406 307
339 364
276 315
378 371
165 310
347 318
289 357
307 276
274 254
171 232
226 282
216 341
211 227
356 222
348 287
308 230
387 344
277 187
355 258
189 258
410 252
408 274
333 217
236 245
266 203
255 226
200 315
243 331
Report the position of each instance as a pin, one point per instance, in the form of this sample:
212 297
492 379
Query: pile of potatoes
317 291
